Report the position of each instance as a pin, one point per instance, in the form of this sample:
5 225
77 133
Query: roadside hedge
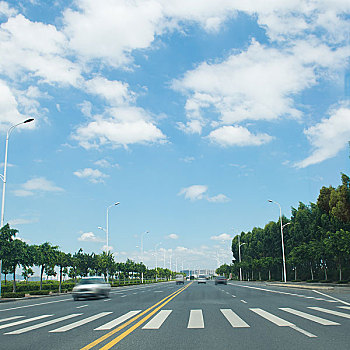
12 295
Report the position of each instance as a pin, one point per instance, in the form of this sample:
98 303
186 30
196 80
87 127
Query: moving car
220 279
180 279
91 287
202 279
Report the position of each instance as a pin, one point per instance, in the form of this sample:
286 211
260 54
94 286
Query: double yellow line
116 340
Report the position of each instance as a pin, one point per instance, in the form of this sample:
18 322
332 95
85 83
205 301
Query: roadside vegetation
53 262
317 242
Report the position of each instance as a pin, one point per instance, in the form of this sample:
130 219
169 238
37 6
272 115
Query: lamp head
269 200
117 203
28 120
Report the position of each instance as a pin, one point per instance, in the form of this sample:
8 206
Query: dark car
220 279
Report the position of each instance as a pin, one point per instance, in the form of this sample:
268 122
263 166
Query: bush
39 292
342 282
297 280
312 281
13 295
326 281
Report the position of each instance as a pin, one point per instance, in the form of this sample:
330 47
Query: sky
190 113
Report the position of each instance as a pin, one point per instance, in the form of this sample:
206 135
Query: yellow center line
138 324
107 335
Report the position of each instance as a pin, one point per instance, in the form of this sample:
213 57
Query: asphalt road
166 316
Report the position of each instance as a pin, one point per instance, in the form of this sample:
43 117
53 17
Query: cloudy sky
190 113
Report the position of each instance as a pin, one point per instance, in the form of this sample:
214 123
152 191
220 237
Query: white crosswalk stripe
234 319
43 324
11 318
336 313
117 321
345 307
310 317
158 320
23 321
272 318
80 323
196 319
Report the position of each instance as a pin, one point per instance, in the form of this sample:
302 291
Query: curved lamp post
283 255
3 178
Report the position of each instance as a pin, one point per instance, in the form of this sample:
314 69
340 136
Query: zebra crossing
196 320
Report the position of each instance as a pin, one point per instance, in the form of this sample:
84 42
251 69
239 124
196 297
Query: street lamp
142 252
3 178
283 255
106 230
155 252
239 256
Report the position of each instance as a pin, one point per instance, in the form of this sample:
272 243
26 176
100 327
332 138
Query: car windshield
201 276
91 281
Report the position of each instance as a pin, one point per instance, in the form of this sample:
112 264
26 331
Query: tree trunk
312 273
14 280
41 276
340 276
60 285
5 278
259 276
325 273
295 274
269 275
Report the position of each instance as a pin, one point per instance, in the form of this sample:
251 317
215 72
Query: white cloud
198 192
173 236
194 193
37 48
188 159
114 92
220 198
328 137
222 237
5 10
37 185
237 136
15 222
90 237
93 175
122 127
104 163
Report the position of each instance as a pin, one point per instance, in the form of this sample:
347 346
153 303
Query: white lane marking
303 331
233 296
10 318
227 293
196 319
79 307
23 321
31 305
344 307
117 321
313 318
336 313
107 300
272 318
234 319
158 291
43 324
80 323
157 320
328 296
243 301
134 293
123 296
277 291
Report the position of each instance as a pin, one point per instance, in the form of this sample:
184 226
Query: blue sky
191 114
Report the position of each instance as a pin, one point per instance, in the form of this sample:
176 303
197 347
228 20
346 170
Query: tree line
316 239
15 254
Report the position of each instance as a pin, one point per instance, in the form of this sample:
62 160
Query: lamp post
142 252
3 178
106 230
155 251
239 256
283 255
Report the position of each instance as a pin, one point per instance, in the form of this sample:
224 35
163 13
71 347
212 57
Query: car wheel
107 294
75 298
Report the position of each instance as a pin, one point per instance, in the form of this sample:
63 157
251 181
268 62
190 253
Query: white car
91 287
180 279
202 279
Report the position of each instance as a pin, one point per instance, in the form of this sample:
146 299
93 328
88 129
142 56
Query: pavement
239 315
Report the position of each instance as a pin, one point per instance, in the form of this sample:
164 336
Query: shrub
39 292
326 281
297 280
312 281
13 295
342 282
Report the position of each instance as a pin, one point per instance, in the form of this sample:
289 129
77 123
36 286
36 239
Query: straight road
166 316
